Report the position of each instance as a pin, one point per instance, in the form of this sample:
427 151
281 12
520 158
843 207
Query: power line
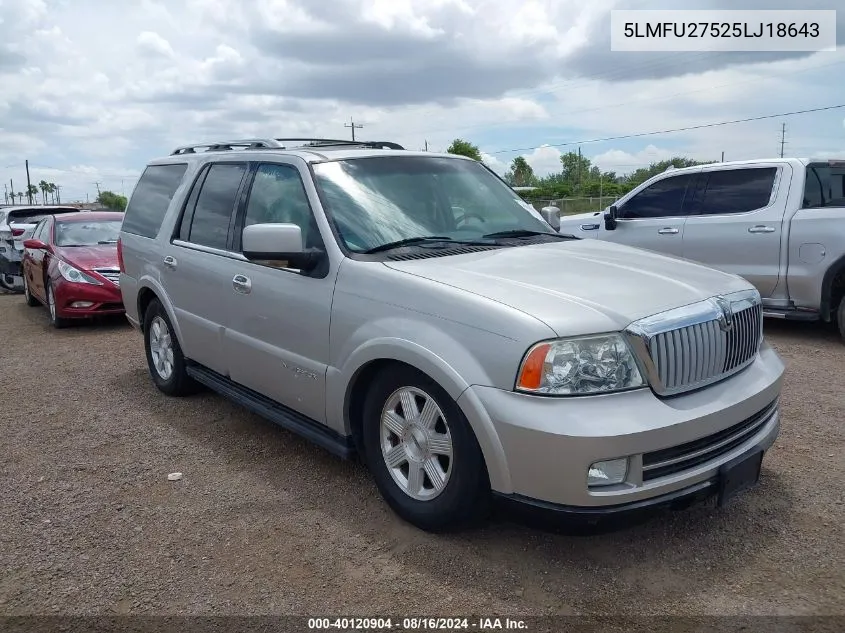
679 129
353 125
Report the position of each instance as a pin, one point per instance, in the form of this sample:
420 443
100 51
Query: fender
825 309
151 283
339 384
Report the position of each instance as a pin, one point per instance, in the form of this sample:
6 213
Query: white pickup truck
779 223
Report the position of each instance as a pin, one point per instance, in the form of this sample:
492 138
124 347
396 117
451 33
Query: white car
14 224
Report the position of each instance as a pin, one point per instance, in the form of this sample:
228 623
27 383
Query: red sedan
70 265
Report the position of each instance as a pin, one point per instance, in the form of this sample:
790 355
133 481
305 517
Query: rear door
197 270
736 221
654 217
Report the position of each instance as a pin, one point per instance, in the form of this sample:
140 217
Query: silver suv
409 308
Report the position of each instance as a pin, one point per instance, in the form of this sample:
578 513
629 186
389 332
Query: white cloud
150 43
135 82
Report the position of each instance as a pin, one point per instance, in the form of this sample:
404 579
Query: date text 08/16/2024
417 624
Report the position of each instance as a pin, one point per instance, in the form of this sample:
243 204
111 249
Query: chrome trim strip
766 416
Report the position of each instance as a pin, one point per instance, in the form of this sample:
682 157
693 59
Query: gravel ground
265 523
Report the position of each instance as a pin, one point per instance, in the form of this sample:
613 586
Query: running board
289 419
790 315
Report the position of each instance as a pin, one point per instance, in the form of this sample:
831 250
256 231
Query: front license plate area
739 475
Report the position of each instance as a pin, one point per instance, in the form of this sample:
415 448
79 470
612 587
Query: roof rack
281 143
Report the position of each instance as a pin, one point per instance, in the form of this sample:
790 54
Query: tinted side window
737 190
824 186
662 199
215 204
151 198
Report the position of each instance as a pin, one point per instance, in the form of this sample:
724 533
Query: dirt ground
265 523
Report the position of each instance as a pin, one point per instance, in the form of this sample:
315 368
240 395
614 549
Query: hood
579 286
89 257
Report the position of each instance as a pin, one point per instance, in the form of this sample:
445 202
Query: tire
840 318
464 497
7 282
165 360
30 300
55 320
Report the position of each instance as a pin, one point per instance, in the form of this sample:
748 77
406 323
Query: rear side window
737 190
662 199
215 205
151 198
825 185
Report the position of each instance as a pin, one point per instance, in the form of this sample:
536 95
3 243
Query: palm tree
32 193
43 185
53 191
21 194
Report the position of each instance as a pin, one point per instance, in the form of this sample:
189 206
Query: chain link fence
570 206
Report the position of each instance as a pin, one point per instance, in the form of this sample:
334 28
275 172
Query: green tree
464 148
644 173
44 186
520 173
32 193
112 200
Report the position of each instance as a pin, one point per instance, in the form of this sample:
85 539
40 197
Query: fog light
608 472
81 304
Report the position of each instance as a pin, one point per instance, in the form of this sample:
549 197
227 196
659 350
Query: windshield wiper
107 242
423 240
525 233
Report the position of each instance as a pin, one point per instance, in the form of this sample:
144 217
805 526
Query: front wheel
423 453
164 354
55 320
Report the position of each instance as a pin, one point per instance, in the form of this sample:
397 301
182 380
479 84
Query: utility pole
723 157
782 138
352 125
12 185
98 188
28 184
5 194
579 168
58 194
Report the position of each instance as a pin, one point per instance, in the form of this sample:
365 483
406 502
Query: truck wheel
164 355
422 452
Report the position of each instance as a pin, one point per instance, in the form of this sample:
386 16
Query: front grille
675 459
112 274
698 345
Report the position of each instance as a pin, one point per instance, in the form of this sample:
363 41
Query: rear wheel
422 452
30 300
55 320
164 355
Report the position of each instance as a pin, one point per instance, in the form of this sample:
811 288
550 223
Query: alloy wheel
161 348
416 443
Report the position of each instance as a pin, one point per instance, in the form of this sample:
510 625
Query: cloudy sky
92 89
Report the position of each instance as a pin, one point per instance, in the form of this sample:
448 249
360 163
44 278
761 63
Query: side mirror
610 218
36 245
551 214
278 242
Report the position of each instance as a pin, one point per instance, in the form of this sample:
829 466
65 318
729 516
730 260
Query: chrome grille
697 345
112 274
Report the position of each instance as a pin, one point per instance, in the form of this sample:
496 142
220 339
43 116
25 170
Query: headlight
572 367
75 275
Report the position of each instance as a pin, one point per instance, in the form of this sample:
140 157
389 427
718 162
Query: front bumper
548 444
105 299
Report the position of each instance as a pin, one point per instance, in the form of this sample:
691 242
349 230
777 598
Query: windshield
88 233
380 200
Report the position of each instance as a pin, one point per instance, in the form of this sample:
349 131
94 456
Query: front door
735 222
278 340
654 217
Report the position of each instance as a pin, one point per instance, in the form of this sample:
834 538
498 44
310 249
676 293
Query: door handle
241 284
668 231
761 228
170 261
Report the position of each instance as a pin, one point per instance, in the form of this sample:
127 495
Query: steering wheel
463 217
